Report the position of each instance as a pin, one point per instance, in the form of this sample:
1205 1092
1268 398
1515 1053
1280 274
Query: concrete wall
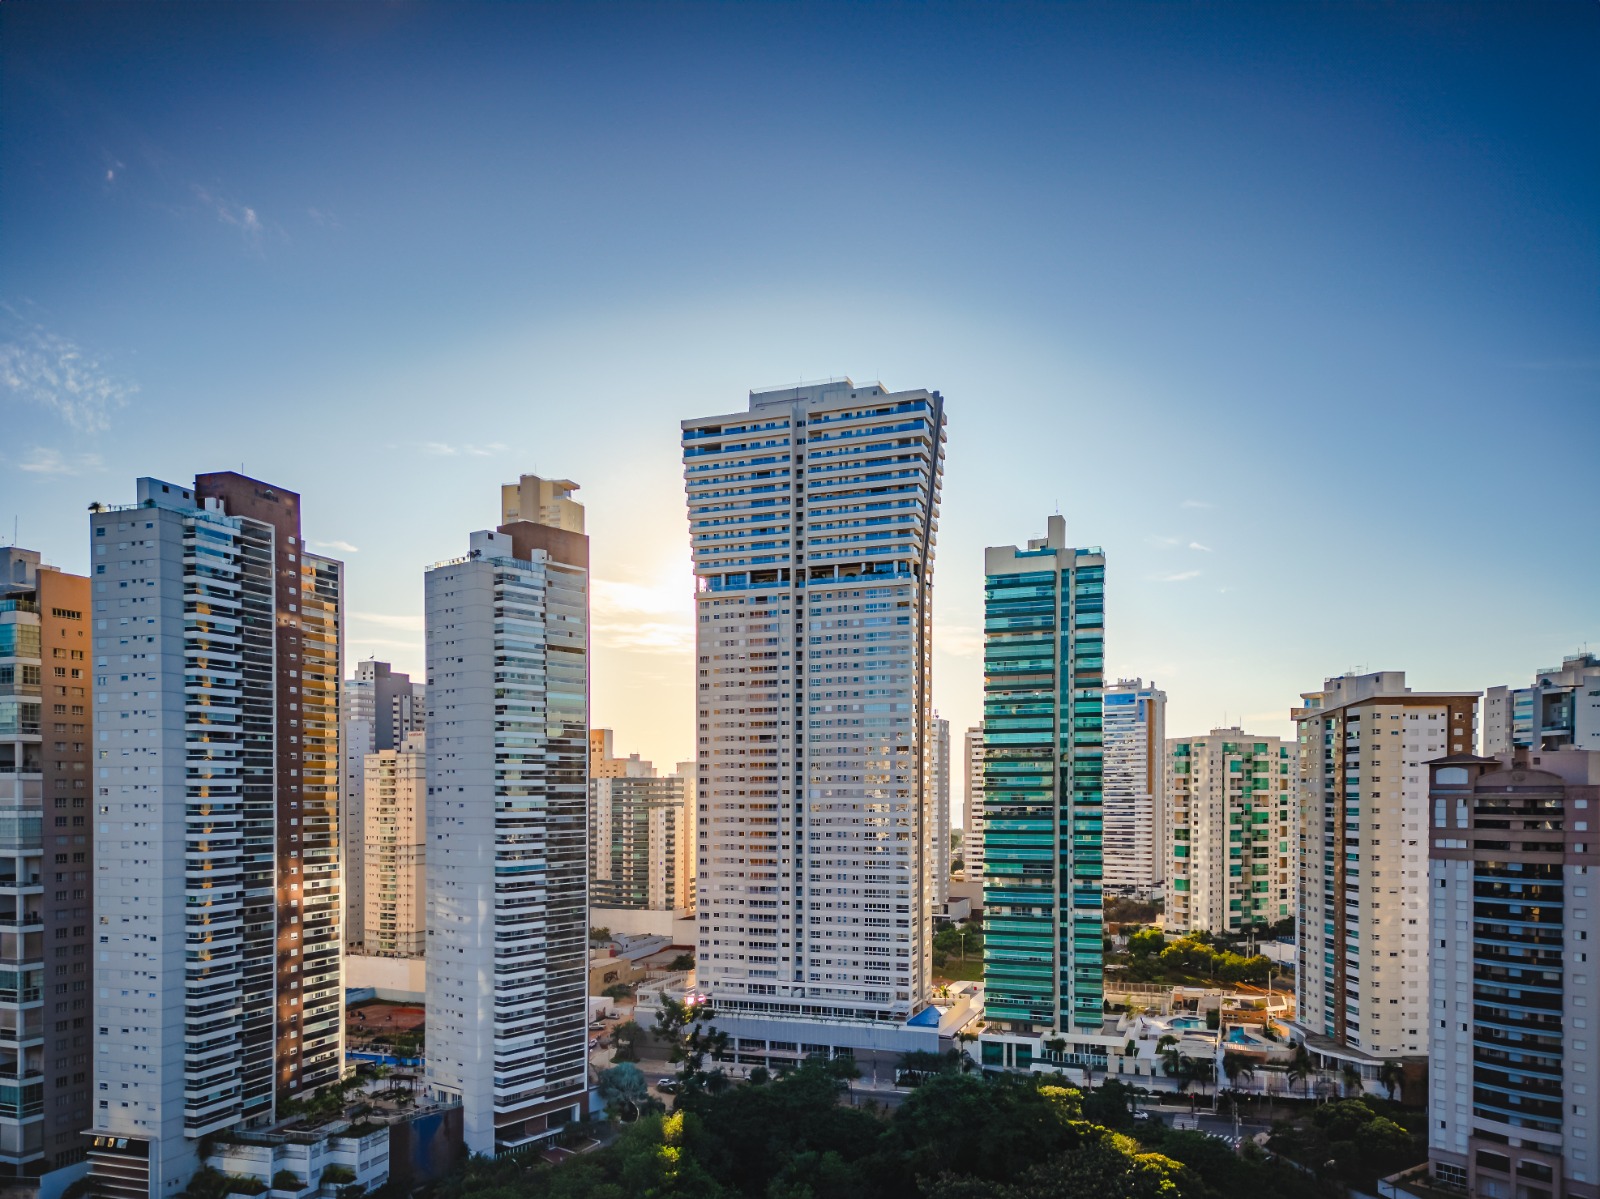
399 980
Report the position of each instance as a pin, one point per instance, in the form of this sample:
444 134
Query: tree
599 935
684 961
627 1036
1352 1079
1392 1075
686 1026
1146 943
1237 1066
624 1090
1300 1066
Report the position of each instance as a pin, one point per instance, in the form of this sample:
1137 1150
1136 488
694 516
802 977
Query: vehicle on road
668 1085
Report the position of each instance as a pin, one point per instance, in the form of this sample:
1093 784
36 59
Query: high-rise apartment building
938 775
392 834
641 833
1560 710
1512 864
381 706
46 871
972 803
1135 788
1234 840
813 519
216 897
546 502
1364 745
1044 653
507 823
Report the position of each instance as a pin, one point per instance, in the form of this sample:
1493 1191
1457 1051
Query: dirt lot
382 1019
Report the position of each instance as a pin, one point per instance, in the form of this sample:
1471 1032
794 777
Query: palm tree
1392 1075
1300 1066
1237 1066
1352 1079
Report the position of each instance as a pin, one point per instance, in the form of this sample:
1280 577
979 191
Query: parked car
669 1085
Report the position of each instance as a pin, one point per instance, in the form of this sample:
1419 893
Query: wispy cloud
653 619
389 620
1165 543
322 218
229 212
1197 504
54 372
1195 545
1178 577
464 450
959 640
343 547
41 460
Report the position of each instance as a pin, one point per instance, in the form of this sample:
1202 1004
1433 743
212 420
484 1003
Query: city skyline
1363 251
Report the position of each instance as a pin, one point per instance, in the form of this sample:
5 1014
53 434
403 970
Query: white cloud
1196 504
1164 543
343 547
1195 545
389 621
44 368
44 461
1179 577
653 619
446 450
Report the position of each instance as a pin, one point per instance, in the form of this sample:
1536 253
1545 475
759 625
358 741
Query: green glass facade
1044 616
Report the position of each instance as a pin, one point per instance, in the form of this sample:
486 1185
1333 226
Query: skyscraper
1135 788
1511 863
939 787
1234 837
972 803
1362 980
813 518
46 734
641 833
1560 710
507 821
381 706
393 837
217 903
1044 652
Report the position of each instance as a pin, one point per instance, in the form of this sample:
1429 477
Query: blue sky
1292 309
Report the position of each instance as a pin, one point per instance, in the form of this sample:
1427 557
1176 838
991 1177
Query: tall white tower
1134 811
507 821
813 519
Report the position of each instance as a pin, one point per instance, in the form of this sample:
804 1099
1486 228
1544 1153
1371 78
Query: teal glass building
1044 652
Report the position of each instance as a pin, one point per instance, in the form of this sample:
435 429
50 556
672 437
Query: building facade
507 816
938 775
972 802
1043 691
46 872
392 833
641 833
218 639
1364 742
1234 836
1512 867
1135 788
813 520
1560 710
381 707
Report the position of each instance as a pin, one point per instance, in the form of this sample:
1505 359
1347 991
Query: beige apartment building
1233 818
641 832
1364 747
394 850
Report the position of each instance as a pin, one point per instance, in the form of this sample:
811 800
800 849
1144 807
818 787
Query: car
668 1085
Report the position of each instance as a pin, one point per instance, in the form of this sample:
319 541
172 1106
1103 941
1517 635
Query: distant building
1044 613
1135 788
47 729
641 833
393 835
1362 977
380 707
507 819
939 805
972 802
1560 710
1232 803
1511 867
217 864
